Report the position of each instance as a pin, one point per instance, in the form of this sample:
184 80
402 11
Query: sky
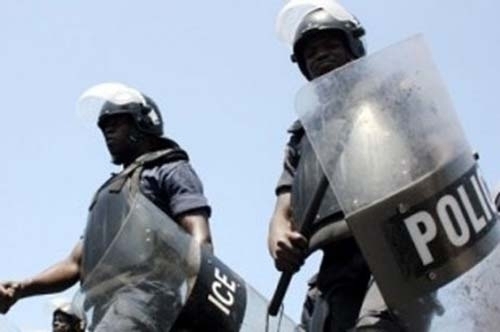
226 89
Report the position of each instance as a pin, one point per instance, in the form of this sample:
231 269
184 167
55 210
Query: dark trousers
338 291
342 283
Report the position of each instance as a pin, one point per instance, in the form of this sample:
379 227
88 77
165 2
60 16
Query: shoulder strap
151 159
162 156
134 170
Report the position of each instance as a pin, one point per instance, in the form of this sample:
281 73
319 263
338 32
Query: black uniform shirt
174 187
292 157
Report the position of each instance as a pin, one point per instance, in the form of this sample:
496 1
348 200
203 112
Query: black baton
308 218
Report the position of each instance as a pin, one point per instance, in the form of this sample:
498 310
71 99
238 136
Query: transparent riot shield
385 133
154 273
143 274
257 319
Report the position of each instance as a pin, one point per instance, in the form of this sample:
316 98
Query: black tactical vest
306 180
112 206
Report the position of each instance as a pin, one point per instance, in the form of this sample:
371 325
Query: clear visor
91 101
294 12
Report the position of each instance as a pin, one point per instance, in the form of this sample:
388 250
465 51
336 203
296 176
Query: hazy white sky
225 86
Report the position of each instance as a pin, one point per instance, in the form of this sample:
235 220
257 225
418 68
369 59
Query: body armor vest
113 206
306 179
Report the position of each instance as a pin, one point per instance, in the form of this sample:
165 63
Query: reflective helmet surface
322 21
145 113
67 311
107 99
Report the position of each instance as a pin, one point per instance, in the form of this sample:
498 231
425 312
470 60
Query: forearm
201 235
282 215
56 278
197 226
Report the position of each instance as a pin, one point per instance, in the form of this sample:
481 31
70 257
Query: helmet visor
92 100
294 11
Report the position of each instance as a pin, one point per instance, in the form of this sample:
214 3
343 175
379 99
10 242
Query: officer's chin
323 68
116 159
317 72
116 162
122 158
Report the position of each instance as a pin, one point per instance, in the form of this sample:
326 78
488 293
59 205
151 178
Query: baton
308 218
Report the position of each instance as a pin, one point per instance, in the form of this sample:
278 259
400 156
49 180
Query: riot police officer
323 42
65 320
132 127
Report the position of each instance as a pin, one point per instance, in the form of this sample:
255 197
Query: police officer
322 43
132 127
65 320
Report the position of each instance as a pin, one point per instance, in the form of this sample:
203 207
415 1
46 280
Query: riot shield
385 133
153 272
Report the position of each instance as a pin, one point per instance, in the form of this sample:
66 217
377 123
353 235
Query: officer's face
324 53
118 131
61 323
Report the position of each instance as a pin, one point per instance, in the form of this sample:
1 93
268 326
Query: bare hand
287 247
9 293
